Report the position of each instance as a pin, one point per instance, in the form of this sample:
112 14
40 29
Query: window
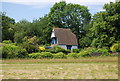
54 40
69 47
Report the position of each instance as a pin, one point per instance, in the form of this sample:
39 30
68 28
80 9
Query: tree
22 29
7 27
73 16
105 28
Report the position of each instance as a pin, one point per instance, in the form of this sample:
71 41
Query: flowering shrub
42 48
115 47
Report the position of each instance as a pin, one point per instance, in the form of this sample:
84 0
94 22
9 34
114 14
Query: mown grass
83 68
80 60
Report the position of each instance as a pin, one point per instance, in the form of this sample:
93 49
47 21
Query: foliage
7 41
29 47
7 27
90 50
105 26
56 49
46 55
75 50
72 55
104 51
87 52
59 55
115 47
12 51
35 55
41 48
41 55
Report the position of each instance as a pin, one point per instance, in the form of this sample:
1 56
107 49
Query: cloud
44 3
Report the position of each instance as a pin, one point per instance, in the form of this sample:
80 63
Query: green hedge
72 55
59 55
89 52
41 55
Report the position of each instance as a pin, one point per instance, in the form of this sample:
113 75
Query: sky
34 9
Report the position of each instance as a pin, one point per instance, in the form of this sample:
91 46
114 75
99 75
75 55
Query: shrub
41 55
41 48
30 48
12 51
46 55
72 55
66 51
75 50
59 55
115 47
35 55
84 54
7 41
103 51
56 49
87 52
22 53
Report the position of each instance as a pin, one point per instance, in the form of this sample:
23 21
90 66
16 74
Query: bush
56 49
59 55
115 47
35 55
66 51
41 48
72 55
91 51
22 53
7 41
75 50
41 55
87 52
12 51
46 55
103 51
30 48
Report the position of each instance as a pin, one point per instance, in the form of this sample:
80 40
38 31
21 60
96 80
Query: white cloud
43 3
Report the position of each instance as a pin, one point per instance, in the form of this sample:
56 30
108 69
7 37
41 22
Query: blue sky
33 9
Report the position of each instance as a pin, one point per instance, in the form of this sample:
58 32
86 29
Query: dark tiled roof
65 36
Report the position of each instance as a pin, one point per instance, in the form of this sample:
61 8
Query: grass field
83 68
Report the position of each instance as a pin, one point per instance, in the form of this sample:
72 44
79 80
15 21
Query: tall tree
7 27
73 16
106 26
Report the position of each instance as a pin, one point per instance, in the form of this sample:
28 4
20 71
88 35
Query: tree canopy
7 26
73 16
106 26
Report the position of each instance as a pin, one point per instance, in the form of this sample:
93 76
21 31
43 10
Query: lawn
91 68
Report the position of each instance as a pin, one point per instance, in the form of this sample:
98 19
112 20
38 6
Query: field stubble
60 68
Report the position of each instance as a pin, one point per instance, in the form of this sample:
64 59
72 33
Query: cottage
64 38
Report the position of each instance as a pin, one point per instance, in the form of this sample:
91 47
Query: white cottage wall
63 46
73 47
